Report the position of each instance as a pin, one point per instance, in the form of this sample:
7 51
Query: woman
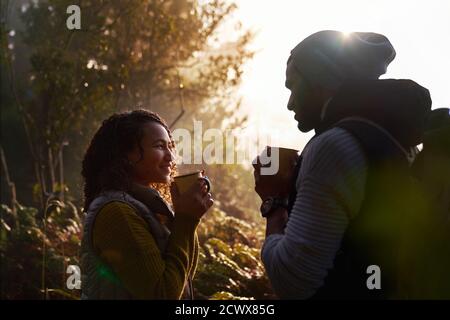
134 246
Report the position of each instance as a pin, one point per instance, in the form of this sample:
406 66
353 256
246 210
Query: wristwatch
270 204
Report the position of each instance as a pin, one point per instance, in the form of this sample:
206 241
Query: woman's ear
134 156
131 158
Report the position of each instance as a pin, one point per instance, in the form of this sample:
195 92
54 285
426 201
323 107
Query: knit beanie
329 57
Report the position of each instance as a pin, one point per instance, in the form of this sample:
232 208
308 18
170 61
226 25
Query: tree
163 55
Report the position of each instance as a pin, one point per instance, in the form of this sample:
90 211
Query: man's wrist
271 204
276 221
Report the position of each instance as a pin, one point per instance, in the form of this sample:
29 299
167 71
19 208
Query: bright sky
418 30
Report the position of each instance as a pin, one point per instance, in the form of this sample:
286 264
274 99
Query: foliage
168 56
229 259
234 188
24 237
229 266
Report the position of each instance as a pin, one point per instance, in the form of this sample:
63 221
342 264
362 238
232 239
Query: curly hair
105 164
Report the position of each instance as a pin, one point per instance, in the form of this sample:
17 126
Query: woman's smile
167 168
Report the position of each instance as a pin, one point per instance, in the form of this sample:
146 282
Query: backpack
426 254
432 165
423 255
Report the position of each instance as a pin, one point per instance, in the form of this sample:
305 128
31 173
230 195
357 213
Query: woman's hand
194 202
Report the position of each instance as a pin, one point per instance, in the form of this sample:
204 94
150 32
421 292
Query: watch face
266 206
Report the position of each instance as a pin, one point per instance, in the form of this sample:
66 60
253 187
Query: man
338 232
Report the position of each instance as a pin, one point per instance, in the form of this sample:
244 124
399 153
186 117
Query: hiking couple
352 203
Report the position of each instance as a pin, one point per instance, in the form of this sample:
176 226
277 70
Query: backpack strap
377 143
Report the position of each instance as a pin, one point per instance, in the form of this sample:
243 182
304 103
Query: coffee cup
185 181
278 161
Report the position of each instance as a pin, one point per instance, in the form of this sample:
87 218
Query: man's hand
272 185
276 221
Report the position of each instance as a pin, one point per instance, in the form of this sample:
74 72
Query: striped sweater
330 191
